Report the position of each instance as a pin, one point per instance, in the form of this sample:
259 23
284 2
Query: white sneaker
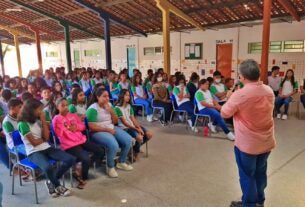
124 166
194 129
231 136
279 116
212 127
112 173
190 123
149 118
284 117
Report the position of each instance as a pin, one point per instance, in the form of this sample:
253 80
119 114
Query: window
158 50
149 51
293 46
51 54
278 46
92 53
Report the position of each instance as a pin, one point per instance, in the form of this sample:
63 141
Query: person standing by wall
252 111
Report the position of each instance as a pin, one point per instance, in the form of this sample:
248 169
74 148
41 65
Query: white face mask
218 80
159 79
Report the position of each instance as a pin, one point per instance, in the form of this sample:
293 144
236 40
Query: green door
76 58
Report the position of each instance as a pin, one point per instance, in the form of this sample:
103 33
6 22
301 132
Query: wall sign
193 51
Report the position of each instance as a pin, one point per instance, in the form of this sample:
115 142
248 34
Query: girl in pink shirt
68 128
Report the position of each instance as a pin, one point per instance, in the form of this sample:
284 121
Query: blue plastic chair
177 110
12 153
207 118
25 163
137 105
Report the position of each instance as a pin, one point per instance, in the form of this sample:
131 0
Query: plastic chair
207 119
25 163
16 151
137 105
177 110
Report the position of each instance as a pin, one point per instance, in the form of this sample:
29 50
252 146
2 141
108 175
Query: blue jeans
112 143
146 104
216 117
253 177
189 107
303 99
41 159
4 153
279 102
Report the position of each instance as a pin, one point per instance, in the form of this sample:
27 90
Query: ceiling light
14 10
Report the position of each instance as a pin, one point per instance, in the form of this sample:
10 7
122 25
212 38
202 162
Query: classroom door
76 58
224 59
131 60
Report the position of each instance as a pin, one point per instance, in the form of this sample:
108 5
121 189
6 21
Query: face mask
218 80
159 79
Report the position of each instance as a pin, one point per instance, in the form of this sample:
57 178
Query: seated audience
102 120
192 85
68 128
161 98
129 122
35 134
78 105
274 81
288 87
218 89
208 106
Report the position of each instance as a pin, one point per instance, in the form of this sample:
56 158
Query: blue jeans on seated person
279 102
4 153
253 177
112 143
189 107
146 104
133 133
41 159
303 99
216 117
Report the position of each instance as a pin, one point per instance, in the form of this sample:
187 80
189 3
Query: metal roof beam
290 9
59 19
102 13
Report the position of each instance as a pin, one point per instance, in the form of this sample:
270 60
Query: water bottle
205 131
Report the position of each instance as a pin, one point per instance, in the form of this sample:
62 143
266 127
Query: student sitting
85 83
218 89
113 85
129 123
73 87
78 105
161 98
140 97
102 120
182 98
274 81
33 90
68 128
124 82
58 88
97 79
6 96
9 125
48 104
35 135
207 106
302 97
192 85
150 74
288 88
171 84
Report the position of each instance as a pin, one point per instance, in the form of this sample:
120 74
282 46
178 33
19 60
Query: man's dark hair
14 102
7 94
25 96
216 73
250 70
274 68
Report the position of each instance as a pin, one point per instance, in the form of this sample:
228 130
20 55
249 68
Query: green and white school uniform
177 91
100 116
46 110
205 96
9 125
218 88
124 85
125 112
69 99
138 90
170 89
288 88
78 109
35 129
95 81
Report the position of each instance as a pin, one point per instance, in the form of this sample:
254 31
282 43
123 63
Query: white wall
240 37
